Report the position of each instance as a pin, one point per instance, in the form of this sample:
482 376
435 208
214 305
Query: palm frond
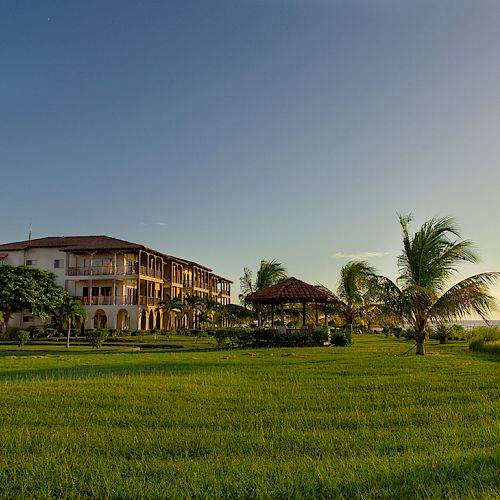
467 297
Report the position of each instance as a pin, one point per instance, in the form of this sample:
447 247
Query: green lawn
356 422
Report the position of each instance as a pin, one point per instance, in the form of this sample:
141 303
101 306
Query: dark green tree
26 288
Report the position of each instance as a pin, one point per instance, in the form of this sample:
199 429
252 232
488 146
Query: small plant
97 337
22 336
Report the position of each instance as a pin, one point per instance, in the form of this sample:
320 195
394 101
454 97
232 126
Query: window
30 262
58 263
28 319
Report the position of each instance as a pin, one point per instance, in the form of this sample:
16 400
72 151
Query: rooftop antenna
29 236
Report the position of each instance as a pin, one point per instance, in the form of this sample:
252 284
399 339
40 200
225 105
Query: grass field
355 422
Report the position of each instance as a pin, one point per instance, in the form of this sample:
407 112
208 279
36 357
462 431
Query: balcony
101 300
187 283
102 270
153 273
149 301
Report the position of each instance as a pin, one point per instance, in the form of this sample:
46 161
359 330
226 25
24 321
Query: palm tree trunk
419 340
69 333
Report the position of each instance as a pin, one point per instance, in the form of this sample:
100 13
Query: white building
120 283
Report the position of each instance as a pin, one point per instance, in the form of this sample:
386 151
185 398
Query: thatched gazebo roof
289 291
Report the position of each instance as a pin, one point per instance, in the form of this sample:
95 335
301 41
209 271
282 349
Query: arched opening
158 321
143 320
151 320
122 320
100 319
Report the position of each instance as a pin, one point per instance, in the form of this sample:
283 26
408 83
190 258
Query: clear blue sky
231 131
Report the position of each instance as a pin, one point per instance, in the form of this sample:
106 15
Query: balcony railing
196 284
153 273
149 301
102 300
102 270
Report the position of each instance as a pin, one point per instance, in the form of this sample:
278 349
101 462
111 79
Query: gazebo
290 291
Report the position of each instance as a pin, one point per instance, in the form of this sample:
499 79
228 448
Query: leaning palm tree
429 260
354 292
72 311
269 273
171 305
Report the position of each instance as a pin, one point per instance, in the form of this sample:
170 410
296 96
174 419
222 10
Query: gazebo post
304 314
316 304
259 316
272 315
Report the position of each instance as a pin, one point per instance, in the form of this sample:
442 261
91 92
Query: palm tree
72 311
269 273
429 260
192 304
171 305
354 292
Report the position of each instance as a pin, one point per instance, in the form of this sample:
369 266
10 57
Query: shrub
22 336
457 332
341 338
485 339
249 337
51 332
409 334
97 337
37 331
441 332
397 331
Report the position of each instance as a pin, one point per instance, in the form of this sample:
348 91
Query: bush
485 339
96 337
441 332
22 336
249 337
397 331
36 332
409 334
341 338
457 332
51 332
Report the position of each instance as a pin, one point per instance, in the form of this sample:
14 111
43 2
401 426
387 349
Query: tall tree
354 292
430 259
72 311
26 288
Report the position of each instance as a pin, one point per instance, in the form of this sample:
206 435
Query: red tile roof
67 243
291 290
87 243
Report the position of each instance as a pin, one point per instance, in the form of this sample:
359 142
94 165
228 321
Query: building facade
120 283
